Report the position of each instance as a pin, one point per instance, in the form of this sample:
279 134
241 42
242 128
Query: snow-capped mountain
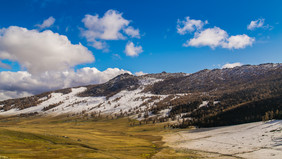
185 98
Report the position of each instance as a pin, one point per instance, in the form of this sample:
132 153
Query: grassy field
62 137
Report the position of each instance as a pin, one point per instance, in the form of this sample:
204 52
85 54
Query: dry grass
62 137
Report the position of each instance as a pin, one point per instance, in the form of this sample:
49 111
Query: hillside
205 98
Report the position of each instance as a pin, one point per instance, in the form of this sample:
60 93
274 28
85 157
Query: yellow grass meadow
65 137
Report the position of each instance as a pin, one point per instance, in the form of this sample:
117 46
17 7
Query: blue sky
162 44
156 20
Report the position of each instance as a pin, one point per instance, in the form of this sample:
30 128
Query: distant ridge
205 98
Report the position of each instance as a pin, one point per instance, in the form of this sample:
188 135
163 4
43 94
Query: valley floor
258 140
71 137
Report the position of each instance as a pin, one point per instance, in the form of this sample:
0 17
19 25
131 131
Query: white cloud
46 23
238 42
131 50
216 37
41 51
232 65
189 25
132 32
100 45
212 37
13 94
2 31
256 24
22 83
140 73
108 27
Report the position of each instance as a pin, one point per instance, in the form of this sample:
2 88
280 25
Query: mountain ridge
184 99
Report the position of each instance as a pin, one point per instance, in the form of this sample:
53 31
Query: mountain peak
163 96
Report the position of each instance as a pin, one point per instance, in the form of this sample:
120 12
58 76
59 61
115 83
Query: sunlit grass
62 137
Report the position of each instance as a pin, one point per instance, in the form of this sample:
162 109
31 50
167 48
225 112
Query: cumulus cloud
22 83
238 42
212 37
132 32
100 45
189 25
256 24
46 23
140 73
108 27
131 50
216 37
13 94
232 65
41 51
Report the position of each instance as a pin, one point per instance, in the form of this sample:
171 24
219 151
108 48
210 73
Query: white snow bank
258 140
204 104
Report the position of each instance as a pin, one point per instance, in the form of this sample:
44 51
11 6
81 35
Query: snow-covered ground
130 102
258 140
204 104
70 103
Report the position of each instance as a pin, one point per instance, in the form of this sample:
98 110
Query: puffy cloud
99 45
238 42
232 65
212 37
131 50
216 37
108 27
256 24
132 32
140 73
41 51
13 94
189 25
22 83
46 23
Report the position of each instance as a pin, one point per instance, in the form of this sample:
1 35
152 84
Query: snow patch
215 102
43 98
204 104
55 98
258 140
149 81
164 112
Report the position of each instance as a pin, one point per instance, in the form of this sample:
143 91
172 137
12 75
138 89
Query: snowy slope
259 140
126 102
165 96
